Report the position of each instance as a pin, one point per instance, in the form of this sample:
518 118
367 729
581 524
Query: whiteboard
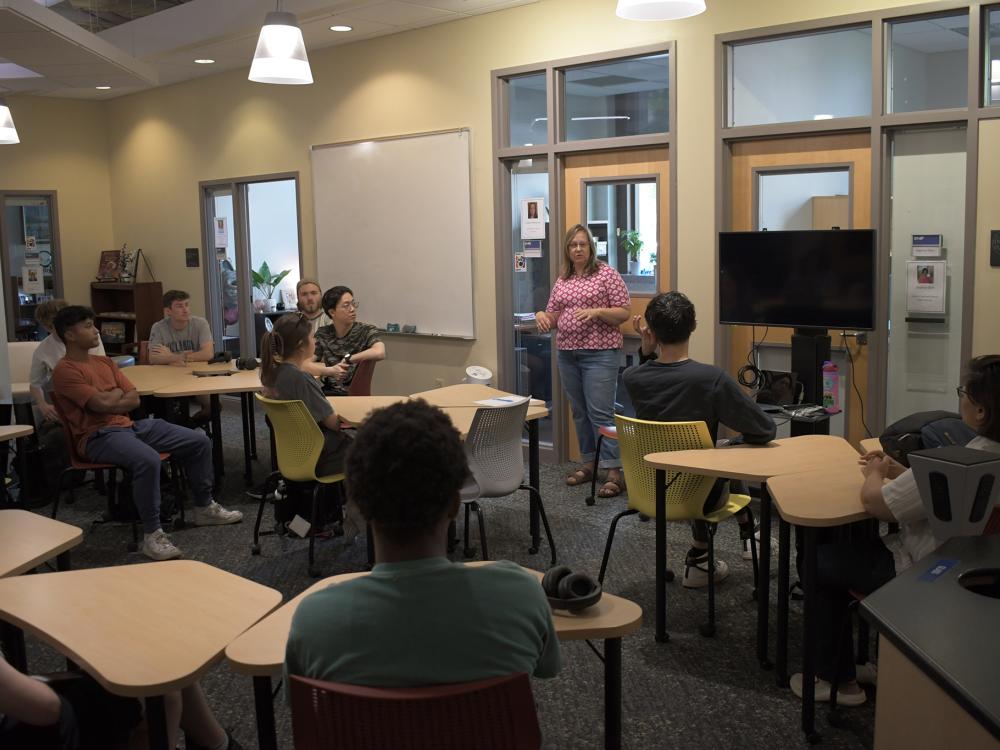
394 223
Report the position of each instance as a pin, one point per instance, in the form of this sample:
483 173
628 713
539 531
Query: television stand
810 349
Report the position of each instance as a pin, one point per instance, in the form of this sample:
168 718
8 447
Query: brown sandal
583 475
611 488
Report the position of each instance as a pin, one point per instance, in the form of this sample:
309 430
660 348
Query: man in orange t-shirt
96 398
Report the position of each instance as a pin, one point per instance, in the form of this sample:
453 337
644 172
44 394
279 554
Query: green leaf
278 279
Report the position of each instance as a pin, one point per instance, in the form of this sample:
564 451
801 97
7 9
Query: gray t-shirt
291 384
190 338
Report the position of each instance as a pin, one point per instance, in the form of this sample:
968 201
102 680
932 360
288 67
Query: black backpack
925 429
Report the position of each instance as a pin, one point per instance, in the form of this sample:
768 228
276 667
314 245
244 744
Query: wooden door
745 157
578 170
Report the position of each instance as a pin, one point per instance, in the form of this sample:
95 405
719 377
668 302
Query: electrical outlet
439 382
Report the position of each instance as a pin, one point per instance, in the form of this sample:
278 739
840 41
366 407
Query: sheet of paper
501 401
925 286
533 219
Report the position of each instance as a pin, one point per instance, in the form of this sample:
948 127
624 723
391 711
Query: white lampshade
281 53
659 10
8 133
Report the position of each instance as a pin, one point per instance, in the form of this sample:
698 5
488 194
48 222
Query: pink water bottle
831 388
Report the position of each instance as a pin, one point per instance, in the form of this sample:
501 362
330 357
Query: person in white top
889 494
45 358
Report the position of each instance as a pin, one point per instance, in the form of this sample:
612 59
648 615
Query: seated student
284 351
46 356
866 565
81 714
345 342
668 386
181 338
419 619
98 399
309 299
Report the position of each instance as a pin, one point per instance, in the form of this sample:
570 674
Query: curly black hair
670 317
982 383
405 468
69 317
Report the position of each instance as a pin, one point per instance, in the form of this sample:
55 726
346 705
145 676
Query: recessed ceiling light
205 61
102 88
341 27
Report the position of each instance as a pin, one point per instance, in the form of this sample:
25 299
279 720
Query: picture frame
109 269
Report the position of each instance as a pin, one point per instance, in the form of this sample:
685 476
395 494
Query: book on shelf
120 315
113 332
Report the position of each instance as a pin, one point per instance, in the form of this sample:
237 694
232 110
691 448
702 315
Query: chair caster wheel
669 577
254 549
708 631
643 518
590 500
469 552
313 572
532 550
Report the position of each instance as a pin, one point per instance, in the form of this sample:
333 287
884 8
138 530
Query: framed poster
110 268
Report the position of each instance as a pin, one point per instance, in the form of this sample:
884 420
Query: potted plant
265 283
632 245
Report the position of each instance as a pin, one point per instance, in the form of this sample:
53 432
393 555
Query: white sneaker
696 575
157 546
214 514
822 692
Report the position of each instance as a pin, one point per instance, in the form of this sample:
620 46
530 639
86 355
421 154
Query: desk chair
686 493
298 442
144 352
492 714
496 462
78 463
361 383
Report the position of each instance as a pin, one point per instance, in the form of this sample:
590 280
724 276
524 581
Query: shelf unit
136 306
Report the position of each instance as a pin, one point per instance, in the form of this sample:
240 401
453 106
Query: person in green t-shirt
418 618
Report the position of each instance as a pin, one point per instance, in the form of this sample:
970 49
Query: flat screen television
798 279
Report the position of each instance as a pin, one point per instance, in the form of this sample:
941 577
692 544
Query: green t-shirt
425 622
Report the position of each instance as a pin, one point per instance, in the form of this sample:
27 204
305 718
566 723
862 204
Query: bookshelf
125 312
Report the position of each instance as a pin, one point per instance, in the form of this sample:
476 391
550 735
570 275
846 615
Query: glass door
30 261
223 281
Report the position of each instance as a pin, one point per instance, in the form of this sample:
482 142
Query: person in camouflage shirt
345 342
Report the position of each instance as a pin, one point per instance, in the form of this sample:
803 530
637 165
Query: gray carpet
692 692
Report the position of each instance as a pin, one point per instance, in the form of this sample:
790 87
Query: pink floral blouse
603 288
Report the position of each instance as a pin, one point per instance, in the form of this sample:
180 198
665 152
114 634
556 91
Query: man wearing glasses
345 342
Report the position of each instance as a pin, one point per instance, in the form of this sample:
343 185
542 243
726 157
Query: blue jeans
590 379
137 449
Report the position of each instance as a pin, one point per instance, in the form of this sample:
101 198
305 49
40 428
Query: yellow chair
686 493
299 442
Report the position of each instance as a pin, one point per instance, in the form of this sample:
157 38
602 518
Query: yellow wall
163 142
985 338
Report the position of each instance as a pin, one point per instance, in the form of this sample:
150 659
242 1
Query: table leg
253 427
613 693
661 556
764 577
781 649
245 417
12 638
809 634
156 721
533 480
216 435
263 699
63 561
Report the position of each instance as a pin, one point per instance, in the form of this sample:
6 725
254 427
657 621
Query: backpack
925 429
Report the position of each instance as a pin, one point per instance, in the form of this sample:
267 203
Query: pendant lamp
8 133
659 10
281 53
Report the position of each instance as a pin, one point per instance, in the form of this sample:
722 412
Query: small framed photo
110 267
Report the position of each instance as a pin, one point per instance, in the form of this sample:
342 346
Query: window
614 99
809 77
992 74
527 123
622 216
803 199
30 261
928 63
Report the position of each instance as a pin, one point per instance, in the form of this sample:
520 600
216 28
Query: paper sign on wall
32 279
926 281
520 264
531 248
533 219
221 231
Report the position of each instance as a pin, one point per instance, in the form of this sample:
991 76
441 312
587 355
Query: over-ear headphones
220 357
568 590
246 363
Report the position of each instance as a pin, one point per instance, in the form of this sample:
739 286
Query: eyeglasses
352 305
579 244
961 391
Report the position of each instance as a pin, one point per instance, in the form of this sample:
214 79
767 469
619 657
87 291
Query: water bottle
831 388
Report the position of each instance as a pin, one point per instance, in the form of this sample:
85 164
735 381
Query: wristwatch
347 359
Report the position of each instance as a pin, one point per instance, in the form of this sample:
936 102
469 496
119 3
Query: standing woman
588 303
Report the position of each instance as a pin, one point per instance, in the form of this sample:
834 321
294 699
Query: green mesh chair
298 441
686 493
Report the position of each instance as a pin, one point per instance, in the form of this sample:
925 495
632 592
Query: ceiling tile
394 13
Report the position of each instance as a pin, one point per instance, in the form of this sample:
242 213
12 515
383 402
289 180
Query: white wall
793 79
920 80
928 189
784 200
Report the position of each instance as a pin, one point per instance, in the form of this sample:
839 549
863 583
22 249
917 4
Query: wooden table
811 500
354 410
871 444
260 651
459 401
12 432
751 463
139 630
26 541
